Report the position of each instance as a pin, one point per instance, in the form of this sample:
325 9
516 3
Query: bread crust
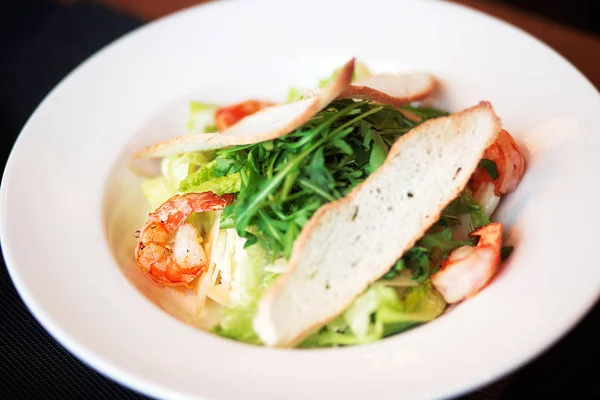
361 89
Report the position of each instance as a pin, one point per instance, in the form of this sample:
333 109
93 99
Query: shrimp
510 165
468 269
168 249
230 115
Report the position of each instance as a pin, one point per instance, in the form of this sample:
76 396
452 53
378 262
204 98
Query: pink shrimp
168 248
468 269
510 165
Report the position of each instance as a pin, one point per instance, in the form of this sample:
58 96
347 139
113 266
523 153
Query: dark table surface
41 42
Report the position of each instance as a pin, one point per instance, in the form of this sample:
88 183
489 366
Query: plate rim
132 380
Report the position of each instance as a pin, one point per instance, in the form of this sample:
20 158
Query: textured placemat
40 43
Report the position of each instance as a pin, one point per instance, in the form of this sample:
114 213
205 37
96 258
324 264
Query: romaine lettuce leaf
178 167
422 304
379 312
294 94
236 323
209 178
249 281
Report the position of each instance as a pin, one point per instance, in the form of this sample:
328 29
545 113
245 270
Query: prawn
510 166
468 269
168 249
230 115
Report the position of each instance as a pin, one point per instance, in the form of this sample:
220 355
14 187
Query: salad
344 215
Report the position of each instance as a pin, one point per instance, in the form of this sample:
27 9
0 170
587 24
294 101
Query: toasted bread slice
350 243
395 90
267 124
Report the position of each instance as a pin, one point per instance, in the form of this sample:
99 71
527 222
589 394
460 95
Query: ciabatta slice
267 124
350 243
396 90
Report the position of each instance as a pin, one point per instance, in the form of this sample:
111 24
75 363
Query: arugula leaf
490 166
478 216
399 266
422 260
379 152
226 166
442 240
463 204
418 262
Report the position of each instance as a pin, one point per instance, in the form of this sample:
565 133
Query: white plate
65 190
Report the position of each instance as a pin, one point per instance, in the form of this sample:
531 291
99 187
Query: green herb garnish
490 166
399 266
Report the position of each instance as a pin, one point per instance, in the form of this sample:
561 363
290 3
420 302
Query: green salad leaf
490 166
442 240
464 204
423 259
379 312
294 94
215 176
478 216
399 266
247 266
